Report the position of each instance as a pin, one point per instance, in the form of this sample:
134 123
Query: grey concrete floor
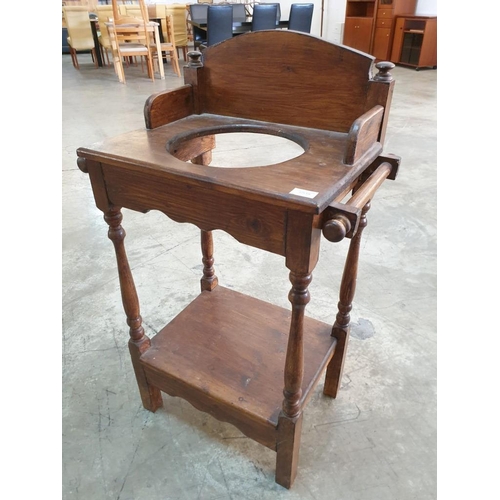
377 440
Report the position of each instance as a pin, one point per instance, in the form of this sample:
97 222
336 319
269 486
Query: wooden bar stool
245 361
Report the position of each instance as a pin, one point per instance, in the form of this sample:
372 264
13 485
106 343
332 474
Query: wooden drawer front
381 43
384 23
385 14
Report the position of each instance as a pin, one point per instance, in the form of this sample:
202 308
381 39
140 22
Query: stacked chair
131 35
179 23
80 36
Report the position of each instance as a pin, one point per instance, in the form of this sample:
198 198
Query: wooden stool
242 360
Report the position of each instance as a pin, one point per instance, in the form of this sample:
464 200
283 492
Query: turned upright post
290 420
139 342
342 323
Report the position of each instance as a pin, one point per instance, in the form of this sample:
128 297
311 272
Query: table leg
97 45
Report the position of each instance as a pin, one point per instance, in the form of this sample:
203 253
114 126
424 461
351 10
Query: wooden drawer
385 13
384 22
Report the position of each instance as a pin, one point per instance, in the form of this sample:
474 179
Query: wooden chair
301 17
168 47
125 44
264 17
178 12
130 37
80 36
104 13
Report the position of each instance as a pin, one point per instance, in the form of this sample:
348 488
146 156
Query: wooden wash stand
245 361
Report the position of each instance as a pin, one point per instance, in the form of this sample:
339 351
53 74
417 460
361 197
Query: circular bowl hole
247 149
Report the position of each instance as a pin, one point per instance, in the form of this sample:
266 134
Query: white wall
426 8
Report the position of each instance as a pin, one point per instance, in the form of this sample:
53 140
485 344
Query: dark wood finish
341 326
225 354
287 449
363 135
139 342
369 24
421 51
168 106
244 361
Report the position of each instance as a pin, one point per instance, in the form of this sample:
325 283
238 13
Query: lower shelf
225 354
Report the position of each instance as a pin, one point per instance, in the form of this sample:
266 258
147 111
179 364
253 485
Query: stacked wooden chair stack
132 35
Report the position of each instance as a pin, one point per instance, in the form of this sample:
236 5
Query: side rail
341 220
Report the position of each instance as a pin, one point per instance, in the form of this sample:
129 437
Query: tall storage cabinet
369 24
358 26
415 42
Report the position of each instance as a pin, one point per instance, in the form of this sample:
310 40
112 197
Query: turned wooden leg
341 326
290 419
209 280
139 342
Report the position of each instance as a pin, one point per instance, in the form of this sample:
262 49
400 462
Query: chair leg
94 57
74 59
118 64
175 62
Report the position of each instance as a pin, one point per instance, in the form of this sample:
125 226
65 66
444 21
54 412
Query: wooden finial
335 229
383 74
194 59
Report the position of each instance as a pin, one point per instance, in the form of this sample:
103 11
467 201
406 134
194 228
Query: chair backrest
134 10
301 17
253 81
104 13
123 14
169 21
198 11
264 16
178 13
219 23
278 12
78 24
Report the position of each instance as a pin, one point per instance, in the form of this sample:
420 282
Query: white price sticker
303 192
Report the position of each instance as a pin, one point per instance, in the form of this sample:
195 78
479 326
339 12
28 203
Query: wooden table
244 361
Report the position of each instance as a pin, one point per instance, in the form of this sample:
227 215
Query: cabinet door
381 43
398 40
357 33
